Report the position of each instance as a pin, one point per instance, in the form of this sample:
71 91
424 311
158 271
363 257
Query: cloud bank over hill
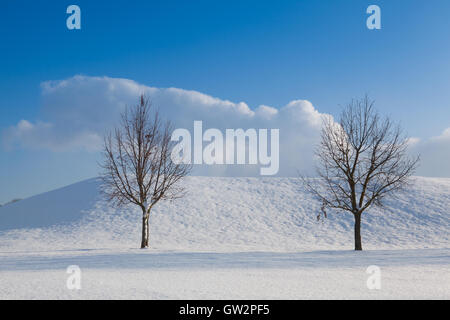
76 112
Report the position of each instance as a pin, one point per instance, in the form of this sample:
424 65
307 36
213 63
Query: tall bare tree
361 160
137 167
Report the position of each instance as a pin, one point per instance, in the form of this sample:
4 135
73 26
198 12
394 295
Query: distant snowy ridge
226 214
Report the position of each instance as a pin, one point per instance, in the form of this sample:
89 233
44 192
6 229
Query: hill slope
225 214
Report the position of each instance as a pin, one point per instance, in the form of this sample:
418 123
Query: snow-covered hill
229 238
226 214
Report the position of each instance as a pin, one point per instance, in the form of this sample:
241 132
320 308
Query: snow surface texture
227 238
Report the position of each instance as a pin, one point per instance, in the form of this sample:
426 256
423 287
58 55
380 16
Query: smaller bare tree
137 165
362 159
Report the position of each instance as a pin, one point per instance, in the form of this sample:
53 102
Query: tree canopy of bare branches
137 165
362 159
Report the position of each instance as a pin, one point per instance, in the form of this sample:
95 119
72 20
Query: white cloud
43 135
76 112
444 137
434 154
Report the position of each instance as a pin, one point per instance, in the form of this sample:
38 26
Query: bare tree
362 159
137 167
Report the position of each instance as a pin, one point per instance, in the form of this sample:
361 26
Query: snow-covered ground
235 238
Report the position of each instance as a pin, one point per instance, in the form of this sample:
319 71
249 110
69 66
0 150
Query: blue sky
259 52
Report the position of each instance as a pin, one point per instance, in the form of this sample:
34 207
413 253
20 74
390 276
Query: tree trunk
145 229
358 244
